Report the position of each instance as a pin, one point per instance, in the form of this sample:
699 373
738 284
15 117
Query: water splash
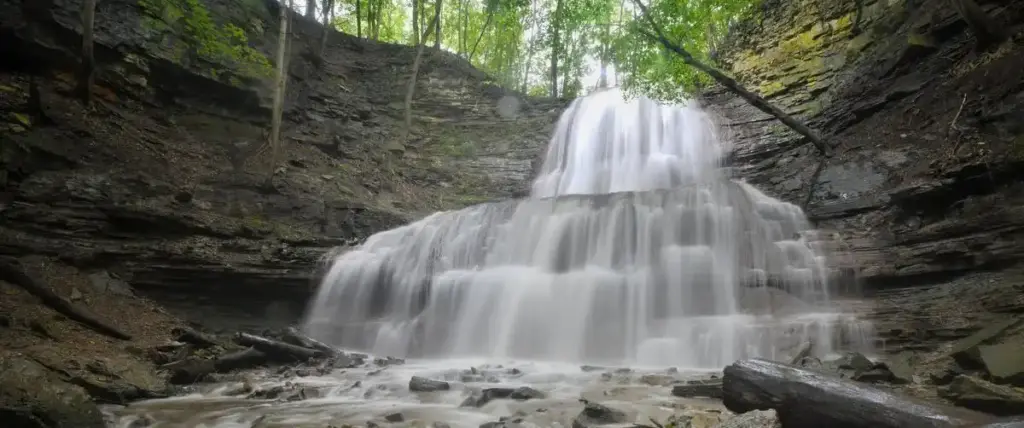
635 247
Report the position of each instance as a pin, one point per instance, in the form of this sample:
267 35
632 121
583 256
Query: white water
635 247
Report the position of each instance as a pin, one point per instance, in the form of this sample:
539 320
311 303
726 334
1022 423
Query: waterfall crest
635 246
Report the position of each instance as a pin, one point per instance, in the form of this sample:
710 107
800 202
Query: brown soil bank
53 370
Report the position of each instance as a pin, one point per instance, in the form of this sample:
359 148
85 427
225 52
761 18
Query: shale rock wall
929 131
153 183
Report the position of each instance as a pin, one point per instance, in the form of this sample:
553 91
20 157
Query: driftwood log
295 337
11 271
188 335
277 350
807 399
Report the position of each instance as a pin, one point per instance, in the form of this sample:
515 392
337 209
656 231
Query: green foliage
695 25
226 44
512 40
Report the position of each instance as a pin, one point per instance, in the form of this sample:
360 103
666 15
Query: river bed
376 394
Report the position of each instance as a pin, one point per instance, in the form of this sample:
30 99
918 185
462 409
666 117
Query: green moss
226 44
920 39
771 88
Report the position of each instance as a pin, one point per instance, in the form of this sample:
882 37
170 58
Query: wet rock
595 414
854 361
347 360
272 393
32 396
422 384
394 417
388 361
245 388
879 373
977 394
482 397
440 425
711 388
753 419
966 351
588 369
190 370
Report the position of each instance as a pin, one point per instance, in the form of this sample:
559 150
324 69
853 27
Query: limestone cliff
929 132
155 183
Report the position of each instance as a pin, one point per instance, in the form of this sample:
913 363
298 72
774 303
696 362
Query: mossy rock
32 396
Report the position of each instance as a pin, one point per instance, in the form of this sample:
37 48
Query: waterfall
635 246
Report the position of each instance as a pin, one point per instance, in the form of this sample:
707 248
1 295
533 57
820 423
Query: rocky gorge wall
153 183
929 133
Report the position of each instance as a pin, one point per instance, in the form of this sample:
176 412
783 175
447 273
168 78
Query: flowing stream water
635 248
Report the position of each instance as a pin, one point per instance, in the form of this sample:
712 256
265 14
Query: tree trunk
987 31
734 86
326 30
555 47
808 399
437 25
311 9
276 349
295 337
483 30
88 64
12 272
281 77
415 22
412 80
359 19
464 29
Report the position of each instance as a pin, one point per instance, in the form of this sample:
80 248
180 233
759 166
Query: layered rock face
164 183
929 132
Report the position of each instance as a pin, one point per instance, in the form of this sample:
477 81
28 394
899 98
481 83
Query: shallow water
370 393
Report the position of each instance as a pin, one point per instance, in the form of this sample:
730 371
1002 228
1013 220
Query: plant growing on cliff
88 61
225 44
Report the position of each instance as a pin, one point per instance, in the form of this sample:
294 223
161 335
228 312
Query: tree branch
11 271
734 86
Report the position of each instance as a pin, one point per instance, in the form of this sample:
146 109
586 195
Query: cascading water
635 246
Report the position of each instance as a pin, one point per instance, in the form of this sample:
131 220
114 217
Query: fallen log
276 349
295 337
188 335
808 399
11 271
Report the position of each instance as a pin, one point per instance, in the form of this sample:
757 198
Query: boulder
967 352
1003 362
422 384
595 414
32 396
984 396
482 397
